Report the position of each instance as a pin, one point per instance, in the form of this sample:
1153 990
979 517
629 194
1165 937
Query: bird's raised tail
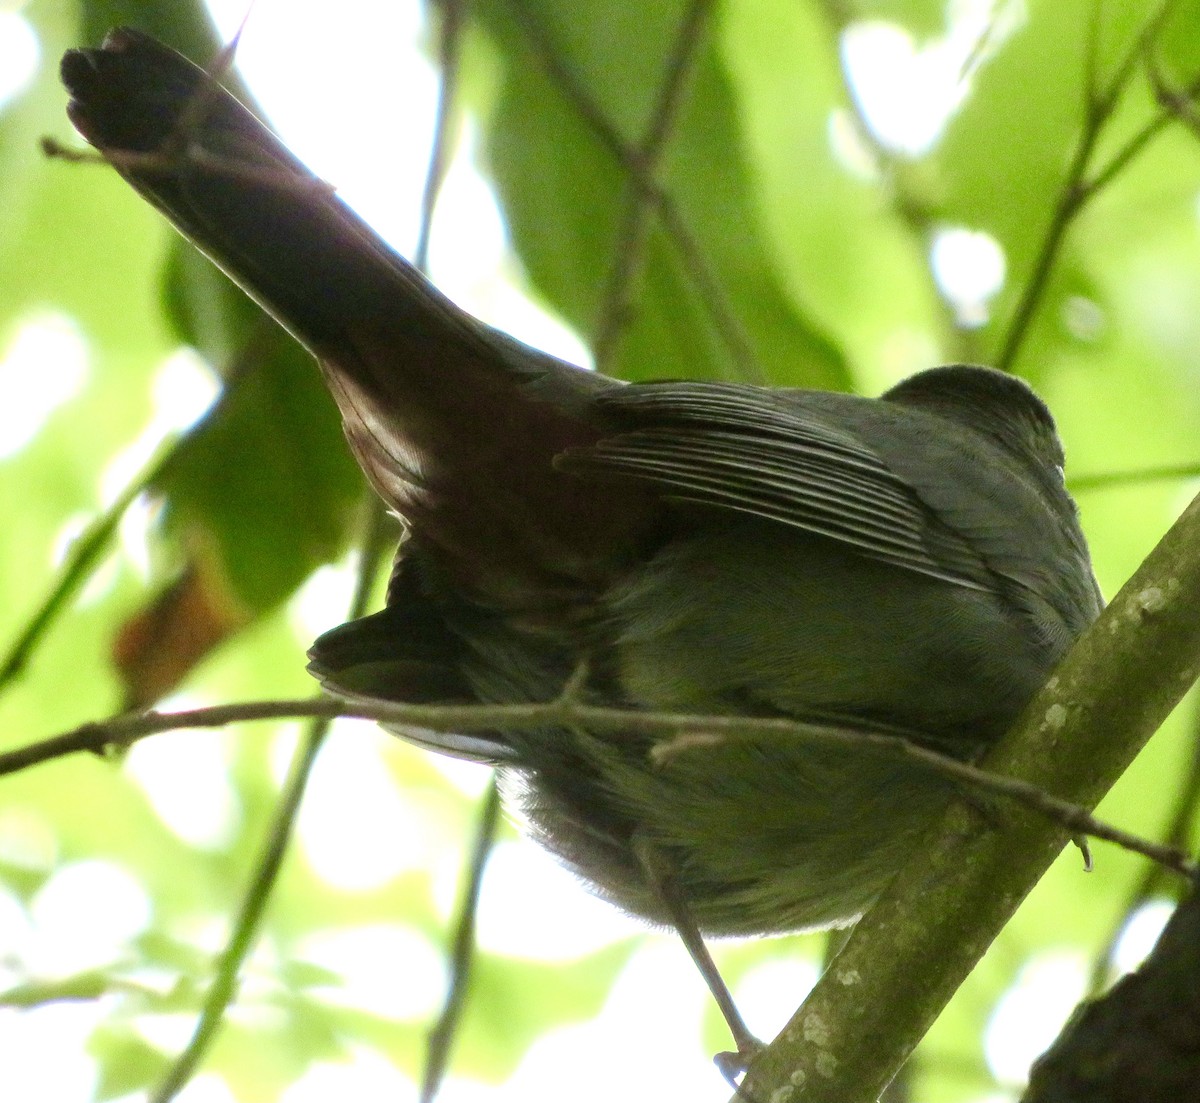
454 423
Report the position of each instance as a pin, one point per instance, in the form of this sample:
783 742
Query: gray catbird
911 564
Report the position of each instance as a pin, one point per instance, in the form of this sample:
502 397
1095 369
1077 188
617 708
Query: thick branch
911 952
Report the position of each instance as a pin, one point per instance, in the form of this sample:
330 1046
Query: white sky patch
475 267
284 742
207 1087
469 778
44 366
969 268
43 1051
352 92
364 1077
1140 933
84 917
355 827
183 389
1030 1014
768 994
138 523
386 969
348 88
16 933
20 53
906 92
322 601
168 1032
185 776
652 1035
534 908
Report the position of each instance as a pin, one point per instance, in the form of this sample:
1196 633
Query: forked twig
629 245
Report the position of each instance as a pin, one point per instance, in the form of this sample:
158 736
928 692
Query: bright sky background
350 89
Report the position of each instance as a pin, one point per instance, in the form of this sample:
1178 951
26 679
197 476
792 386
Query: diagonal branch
629 246
912 950
441 1037
88 551
1084 181
1111 480
708 286
266 870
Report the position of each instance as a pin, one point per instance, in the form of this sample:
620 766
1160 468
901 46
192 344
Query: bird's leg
661 880
572 690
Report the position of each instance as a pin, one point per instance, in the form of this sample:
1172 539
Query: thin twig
1072 198
708 286
629 244
462 951
1177 835
83 557
684 734
1103 100
441 1036
450 55
1174 105
169 161
1109 480
1078 187
725 321
245 929
266 869
1177 104
86 551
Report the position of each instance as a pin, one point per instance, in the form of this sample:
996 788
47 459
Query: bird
909 565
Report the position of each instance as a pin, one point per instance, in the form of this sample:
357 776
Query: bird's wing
784 456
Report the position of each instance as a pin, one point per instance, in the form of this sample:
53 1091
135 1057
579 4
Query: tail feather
455 424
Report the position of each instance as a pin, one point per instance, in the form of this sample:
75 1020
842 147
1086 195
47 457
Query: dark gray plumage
911 564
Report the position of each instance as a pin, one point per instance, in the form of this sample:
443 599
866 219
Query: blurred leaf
1177 49
271 450
160 644
264 481
206 309
853 261
563 193
304 974
183 24
82 986
127 1064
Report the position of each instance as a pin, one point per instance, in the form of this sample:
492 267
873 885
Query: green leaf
127 1063
564 191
